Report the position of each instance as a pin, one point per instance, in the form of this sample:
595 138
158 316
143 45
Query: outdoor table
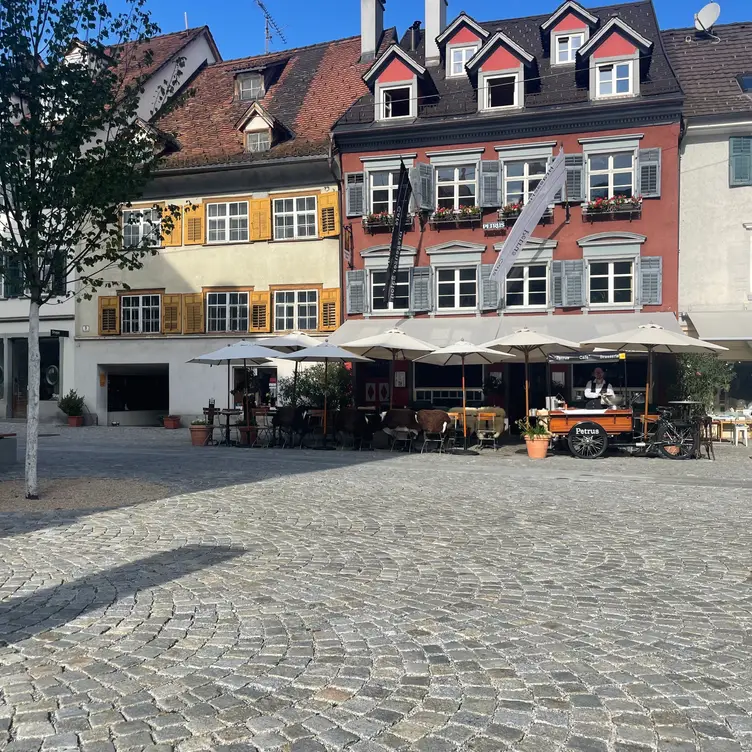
685 406
228 413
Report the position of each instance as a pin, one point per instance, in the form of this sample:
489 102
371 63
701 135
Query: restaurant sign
606 356
487 226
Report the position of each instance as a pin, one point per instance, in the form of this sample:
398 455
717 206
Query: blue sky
237 25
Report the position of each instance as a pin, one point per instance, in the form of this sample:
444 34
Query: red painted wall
463 35
659 221
396 71
501 59
570 22
614 45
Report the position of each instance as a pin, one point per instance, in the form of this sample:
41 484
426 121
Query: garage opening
137 395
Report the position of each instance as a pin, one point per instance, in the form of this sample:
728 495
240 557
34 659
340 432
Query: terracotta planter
247 435
537 447
75 421
172 422
199 435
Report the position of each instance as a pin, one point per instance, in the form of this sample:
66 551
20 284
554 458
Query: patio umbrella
652 338
391 345
460 354
527 341
287 343
324 353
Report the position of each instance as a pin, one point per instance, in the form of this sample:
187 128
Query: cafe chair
704 429
210 413
434 424
740 431
485 431
265 432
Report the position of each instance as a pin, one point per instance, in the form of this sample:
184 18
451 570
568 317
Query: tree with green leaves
701 376
73 152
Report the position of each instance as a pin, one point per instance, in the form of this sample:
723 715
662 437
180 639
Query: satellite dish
707 16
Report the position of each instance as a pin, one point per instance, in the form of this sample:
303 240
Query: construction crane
270 27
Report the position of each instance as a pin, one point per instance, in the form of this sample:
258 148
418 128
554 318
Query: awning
445 330
723 326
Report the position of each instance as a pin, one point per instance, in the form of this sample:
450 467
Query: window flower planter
468 217
510 217
384 222
610 209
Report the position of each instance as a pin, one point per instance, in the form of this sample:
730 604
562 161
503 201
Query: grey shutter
356 291
574 283
651 280
420 293
489 289
490 183
556 293
740 160
14 286
575 165
649 163
421 179
355 188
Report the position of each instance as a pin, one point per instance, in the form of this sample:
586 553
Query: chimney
371 28
414 35
436 12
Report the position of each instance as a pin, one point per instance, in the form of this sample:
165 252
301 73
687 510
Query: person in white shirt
598 387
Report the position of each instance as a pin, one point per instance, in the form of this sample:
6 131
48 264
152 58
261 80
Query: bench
8 449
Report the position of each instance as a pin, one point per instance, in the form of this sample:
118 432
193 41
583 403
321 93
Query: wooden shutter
420 290
556 292
109 314
175 237
649 172
261 219
490 183
328 215
261 311
194 225
172 320
193 313
575 168
651 280
355 198
329 309
421 179
574 283
356 291
740 160
489 289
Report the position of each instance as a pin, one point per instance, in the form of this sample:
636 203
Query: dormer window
566 46
396 102
501 91
258 141
458 58
614 79
250 87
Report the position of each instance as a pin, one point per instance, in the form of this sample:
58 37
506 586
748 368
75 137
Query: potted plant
536 438
73 406
378 219
469 212
511 210
200 432
171 421
443 214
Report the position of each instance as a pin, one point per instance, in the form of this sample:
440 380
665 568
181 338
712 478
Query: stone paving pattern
301 601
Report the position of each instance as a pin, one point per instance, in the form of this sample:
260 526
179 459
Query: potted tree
536 438
72 404
171 421
199 432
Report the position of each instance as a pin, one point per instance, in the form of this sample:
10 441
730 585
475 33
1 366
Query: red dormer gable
463 30
393 65
463 35
570 22
499 53
615 45
396 70
500 59
615 39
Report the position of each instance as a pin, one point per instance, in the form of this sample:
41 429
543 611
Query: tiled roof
547 87
707 69
315 87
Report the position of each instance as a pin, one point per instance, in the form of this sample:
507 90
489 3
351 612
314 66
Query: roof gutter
241 166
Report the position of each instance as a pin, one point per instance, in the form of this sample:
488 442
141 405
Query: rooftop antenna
270 27
706 18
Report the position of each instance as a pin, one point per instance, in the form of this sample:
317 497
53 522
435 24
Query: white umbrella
460 354
393 344
652 338
287 343
527 341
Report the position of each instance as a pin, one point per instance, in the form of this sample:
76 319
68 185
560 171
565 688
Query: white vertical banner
529 217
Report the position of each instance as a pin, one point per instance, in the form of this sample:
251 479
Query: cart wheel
676 440
587 440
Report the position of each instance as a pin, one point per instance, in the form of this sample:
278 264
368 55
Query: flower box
469 216
614 208
509 218
384 222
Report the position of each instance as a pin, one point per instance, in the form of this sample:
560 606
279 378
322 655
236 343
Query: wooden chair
486 431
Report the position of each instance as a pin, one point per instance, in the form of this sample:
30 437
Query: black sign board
607 356
59 332
404 192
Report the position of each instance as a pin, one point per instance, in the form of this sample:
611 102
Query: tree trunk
32 411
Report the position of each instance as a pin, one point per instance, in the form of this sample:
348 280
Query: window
521 178
457 288
611 174
614 79
227 312
527 286
396 102
501 91
383 186
227 223
458 59
745 82
401 300
455 186
296 310
139 314
294 217
258 141
250 87
567 46
611 282
141 226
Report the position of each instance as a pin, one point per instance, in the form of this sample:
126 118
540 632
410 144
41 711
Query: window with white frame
140 226
567 46
527 286
521 178
258 141
458 59
401 300
296 310
383 185
610 175
139 314
456 186
614 79
294 217
250 86
396 102
611 282
227 222
457 288
227 312
501 91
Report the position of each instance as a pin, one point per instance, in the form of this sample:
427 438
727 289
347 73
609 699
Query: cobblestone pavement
303 601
